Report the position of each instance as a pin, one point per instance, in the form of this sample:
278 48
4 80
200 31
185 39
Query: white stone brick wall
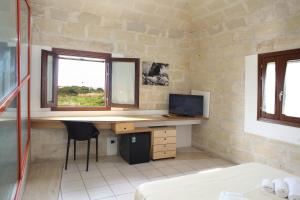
205 43
148 29
224 33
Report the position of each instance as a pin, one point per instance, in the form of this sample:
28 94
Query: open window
81 80
125 82
278 87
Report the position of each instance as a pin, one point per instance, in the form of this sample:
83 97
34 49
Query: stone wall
224 32
152 30
204 41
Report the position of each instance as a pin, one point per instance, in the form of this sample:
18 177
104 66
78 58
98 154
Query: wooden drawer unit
122 127
165 133
163 142
164 147
163 154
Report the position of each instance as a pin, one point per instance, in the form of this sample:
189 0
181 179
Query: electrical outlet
133 139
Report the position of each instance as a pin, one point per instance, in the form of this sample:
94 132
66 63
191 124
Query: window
278 87
125 82
81 80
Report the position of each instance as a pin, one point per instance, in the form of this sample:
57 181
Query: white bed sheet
245 179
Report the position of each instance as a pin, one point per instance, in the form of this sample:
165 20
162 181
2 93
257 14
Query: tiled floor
111 178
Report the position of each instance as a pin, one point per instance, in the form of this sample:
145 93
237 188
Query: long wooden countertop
106 121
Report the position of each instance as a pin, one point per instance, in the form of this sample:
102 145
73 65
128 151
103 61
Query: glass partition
8 44
24 38
8 152
24 116
13 99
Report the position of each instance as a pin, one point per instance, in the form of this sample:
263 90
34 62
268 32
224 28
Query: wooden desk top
106 121
115 119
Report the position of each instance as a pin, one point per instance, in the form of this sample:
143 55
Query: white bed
245 179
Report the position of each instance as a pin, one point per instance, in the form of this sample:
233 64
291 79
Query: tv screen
189 105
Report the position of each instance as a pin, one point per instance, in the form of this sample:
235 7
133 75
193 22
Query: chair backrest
80 130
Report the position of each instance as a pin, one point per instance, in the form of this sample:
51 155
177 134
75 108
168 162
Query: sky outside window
81 73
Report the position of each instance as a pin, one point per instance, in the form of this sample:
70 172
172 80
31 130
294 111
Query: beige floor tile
104 165
183 168
129 196
94 182
123 188
176 175
112 178
160 164
90 174
43 181
191 172
158 178
168 171
115 179
72 176
70 186
72 167
111 170
138 183
121 164
82 166
127 169
135 176
111 159
152 173
100 193
110 198
144 166
76 195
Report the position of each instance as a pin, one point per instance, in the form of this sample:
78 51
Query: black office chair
81 131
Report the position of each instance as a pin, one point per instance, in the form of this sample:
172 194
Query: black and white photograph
155 73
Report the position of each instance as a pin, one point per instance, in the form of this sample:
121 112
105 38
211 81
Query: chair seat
95 134
81 131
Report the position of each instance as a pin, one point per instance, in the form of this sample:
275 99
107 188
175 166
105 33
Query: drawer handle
165 131
165 152
124 128
165 138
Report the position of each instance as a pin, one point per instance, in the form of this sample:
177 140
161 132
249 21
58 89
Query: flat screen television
188 105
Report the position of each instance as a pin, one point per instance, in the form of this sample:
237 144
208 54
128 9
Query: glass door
24 73
8 100
8 152
14 95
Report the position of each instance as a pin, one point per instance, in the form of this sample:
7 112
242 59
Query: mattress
208 185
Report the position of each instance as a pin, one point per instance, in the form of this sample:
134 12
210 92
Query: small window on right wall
279 87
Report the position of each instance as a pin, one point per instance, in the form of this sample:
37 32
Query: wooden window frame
280 58
67 52
56 52
44 76
137 82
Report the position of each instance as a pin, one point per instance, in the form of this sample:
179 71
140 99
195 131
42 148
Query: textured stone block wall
224 33
205 43
152 30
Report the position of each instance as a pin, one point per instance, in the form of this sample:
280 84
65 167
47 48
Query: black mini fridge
135 147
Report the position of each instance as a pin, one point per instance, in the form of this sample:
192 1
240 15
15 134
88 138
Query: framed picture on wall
155 73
